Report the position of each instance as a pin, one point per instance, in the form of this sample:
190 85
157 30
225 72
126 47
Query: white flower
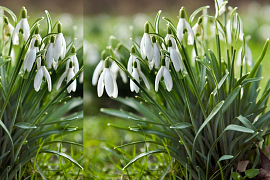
8 29
97 71
59 49
247 58
183 26
132 59
197 29
221 9
156 53
42 72
69 73
106 79
115 69
49 53
170 36
136 73
146 44
164 72
73 59
234 27
22 27
175 57
30 57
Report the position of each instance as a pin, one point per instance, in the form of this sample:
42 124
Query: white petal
63 49
72 86
167 62
167 79
123 75
47 77
144 80
38 79
57 48
26 29
38 62
115 92
61 80
156 55
159 75
108 79
29 59
76 64
97 71
49 55
100 85
190 34
249 56
175 59
228 31
143 46
137 78
238 59
148 47
15 36
151 64
180 28
130 62
55 64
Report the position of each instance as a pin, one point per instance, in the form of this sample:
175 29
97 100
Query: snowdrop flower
156 53
175 57
49 52
69 74
98 69
8 28
30 57
42 72
232 26
115 69
59 49
73 59
36 36
21 27
106 80
132 59
183 26
136 73
247 58
170 36
197 29
164 72
221 9
146 44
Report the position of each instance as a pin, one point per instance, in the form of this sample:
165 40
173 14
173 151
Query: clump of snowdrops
36 112
198 96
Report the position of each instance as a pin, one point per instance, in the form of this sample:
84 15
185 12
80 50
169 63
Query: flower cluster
49 49
158 53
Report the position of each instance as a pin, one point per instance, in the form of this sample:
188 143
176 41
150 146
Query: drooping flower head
107 80
36 36
22 27
69 74
8 28
99 68
31 57
136 73
165 73
49 52
131 60
197 29
59 49
175 57
146 44
42 72
184 27
170 36
73 59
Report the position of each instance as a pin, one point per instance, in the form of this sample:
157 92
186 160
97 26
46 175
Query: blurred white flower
69 73
21 27
197 29
136 73
49 52
183 26
8 29
30 57
175 57
107 80
164 72
42 72
156 53
222 9
132 59
146 44
247 58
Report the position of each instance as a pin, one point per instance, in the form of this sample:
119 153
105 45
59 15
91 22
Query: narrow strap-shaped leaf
230 98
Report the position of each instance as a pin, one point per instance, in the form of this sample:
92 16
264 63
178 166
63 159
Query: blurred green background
125 19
